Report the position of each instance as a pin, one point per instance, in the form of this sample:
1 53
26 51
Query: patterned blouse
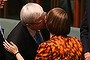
60 48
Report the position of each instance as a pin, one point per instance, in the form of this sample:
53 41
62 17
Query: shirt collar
32 32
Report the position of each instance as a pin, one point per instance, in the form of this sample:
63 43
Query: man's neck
32 32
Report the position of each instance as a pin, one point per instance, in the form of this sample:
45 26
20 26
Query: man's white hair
30 12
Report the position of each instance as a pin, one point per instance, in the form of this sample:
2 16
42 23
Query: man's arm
84 33
84 30
14 37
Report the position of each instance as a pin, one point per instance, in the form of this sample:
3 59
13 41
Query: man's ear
29 25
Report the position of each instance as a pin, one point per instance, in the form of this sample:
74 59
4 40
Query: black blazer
85 28
25 42
2 50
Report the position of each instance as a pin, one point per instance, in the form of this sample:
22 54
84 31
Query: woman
60 46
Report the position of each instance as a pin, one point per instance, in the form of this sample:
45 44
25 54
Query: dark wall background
13 7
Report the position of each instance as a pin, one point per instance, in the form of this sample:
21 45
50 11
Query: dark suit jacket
2 50
25 42
85 28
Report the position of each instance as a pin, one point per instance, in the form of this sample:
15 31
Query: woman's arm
12 48
19 57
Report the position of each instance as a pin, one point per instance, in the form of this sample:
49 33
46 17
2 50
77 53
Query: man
85 31
32 19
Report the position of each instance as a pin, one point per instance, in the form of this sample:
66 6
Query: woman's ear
45 16
45 19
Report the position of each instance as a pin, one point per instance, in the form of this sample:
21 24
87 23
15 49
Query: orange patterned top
60 48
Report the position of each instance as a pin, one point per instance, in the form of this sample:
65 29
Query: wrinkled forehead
41 17
35 21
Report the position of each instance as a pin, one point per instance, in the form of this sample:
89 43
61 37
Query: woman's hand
11 47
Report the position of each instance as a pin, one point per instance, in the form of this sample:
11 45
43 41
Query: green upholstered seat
75 32
8 25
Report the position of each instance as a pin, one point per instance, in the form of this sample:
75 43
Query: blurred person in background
2 2
2 50
85 31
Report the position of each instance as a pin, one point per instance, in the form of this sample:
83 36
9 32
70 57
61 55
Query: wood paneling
76 13
78 10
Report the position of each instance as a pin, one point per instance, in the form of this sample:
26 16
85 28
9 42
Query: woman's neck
51 35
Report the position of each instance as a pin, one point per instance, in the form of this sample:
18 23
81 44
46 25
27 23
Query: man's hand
87 56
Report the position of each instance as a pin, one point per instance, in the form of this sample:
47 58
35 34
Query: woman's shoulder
75 39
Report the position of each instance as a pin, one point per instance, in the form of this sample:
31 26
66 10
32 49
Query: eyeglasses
33 23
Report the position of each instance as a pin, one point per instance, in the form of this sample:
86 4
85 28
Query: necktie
38 37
